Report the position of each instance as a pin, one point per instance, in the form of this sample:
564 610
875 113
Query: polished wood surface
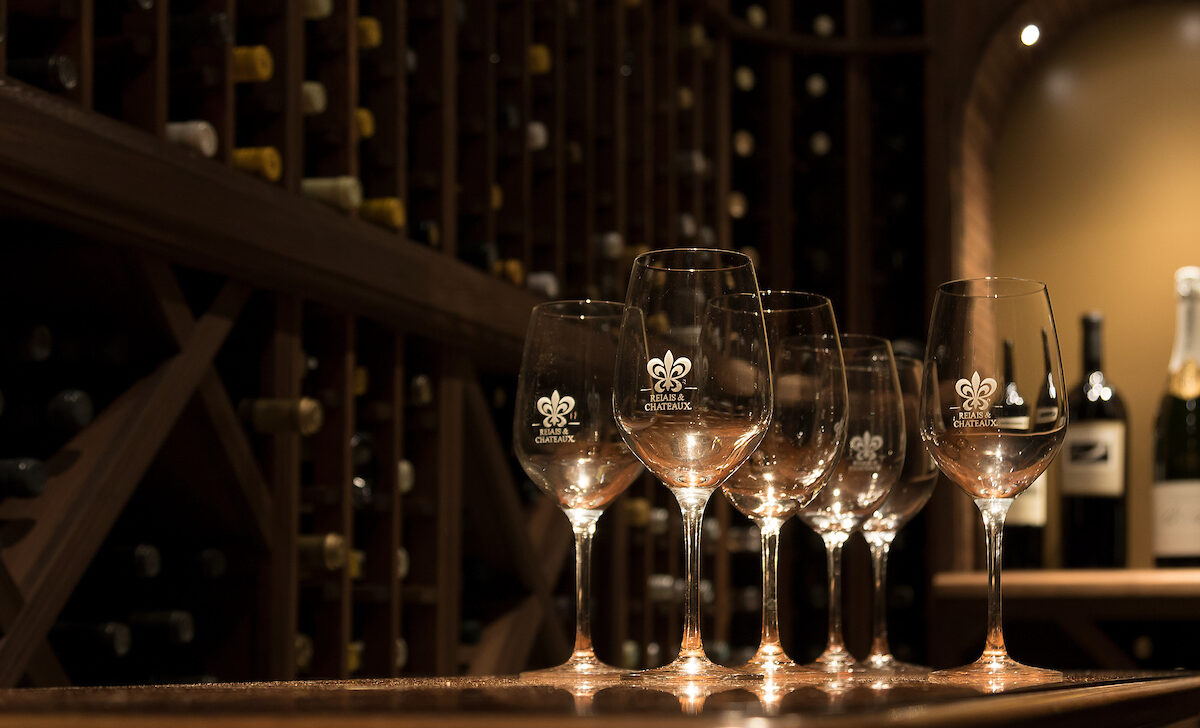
1075 584
1105 698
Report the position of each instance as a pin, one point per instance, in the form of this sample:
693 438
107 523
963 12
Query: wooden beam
84 498
227 426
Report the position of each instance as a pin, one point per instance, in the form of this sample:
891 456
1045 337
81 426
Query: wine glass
568 443
908 496
863 476
992 458
692 398
800 447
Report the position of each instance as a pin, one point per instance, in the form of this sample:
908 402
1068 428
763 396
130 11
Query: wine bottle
128 563
302 415
743 143
385 211
756 16
406 476
401 656
89 640
321 552
364 122
737 205
344 193
56 72
403 564
744 79
316 9
356 564
201 29
162 627
685 98
686 226
252 64
420 391
22 478
354 656
369 31
1025 524
544 283
427 232
691 162
262 161
540 59
823 25
1092 463
197 135
820 143
1176 494
304 653
816 85
314 98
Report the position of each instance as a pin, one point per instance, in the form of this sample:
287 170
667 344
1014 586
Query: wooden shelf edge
1073 584
114 182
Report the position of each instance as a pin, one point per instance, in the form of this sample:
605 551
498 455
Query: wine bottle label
1029 508
1093 459
1176 518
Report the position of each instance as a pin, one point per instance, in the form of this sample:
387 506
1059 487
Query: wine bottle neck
1187 333
1092 346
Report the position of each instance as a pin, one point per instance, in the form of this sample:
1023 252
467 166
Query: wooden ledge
1074 584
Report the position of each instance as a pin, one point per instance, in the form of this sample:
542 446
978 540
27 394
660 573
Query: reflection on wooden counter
1092 697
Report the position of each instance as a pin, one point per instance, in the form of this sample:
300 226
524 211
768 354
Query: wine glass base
689 669
889 664
579 667
994 673
774 668
835 661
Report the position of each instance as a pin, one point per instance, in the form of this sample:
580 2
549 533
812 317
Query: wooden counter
1083 698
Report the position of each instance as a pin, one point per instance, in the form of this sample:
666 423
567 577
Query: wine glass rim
1000 287
863 341
583 308
736 260
816 300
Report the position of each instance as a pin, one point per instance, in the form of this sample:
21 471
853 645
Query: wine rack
357 202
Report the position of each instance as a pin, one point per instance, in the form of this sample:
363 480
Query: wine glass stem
994 510
833 557
583 523
769 531
691 506
880 543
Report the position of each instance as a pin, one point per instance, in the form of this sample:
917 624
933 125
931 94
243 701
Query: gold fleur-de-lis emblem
865 446
555 408
976 392
668 372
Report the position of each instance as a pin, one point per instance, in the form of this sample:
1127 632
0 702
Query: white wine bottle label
1176 518
1093 459
1029 507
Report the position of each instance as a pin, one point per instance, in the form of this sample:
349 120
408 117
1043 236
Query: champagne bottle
344 193
276 416
198 135
56 72
1025 524
252 64
1092 464
322 552
262 161
1176 494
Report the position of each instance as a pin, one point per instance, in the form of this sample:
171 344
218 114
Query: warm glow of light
1030 34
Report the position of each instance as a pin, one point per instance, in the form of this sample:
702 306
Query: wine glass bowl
983 440
692 397
863 475
907 497
800 446
567 442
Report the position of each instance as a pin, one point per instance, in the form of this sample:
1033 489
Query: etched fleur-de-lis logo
555 409
668 372
865 446
976 392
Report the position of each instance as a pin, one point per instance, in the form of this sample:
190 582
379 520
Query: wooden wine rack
454 88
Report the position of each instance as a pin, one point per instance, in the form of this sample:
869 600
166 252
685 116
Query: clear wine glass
993 459
800 447
907 497
692 398
864 474
568 443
